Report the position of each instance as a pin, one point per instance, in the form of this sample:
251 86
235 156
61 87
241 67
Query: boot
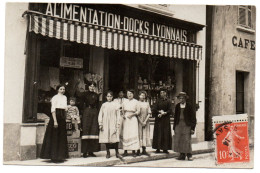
92 154
189 156
138 153
125 153
181 157
108 154
158 151
134 154
117 153
166 151
85 155
144 151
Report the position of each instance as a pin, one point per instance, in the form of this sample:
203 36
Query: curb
129 160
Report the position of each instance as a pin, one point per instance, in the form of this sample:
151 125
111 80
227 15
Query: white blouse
58 101
183 105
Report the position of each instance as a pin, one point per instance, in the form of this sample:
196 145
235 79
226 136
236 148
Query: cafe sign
93 16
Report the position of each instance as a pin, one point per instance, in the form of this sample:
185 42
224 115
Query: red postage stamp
231 134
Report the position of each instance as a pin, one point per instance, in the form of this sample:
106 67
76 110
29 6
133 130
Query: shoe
108 155
91 154
157 151
145 153
180 158
85 155
118 156
138 153
125 154
190 158
166 151
134 155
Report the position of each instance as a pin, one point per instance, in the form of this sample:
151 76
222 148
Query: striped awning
111 38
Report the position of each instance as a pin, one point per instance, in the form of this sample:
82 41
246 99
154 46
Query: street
200 161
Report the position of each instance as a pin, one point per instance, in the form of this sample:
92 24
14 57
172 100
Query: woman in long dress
130 138
184 126
109 123
144 124
90 128
55 144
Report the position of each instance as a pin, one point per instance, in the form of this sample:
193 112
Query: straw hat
183 94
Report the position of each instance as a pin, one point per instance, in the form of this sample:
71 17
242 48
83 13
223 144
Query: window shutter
242 16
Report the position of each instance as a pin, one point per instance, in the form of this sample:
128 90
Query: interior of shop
74 65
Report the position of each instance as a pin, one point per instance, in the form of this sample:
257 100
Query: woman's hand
143 124
101 127
55 124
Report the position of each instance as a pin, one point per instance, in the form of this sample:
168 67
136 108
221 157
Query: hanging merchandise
91 77
54 74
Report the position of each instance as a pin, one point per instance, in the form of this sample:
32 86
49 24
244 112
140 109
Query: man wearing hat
162 138
184 126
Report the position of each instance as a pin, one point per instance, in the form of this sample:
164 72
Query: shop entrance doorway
121 71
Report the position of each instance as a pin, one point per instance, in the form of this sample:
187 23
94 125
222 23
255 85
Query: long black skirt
90 131
55 144
162 138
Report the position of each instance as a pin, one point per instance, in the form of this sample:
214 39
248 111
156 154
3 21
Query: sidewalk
100 160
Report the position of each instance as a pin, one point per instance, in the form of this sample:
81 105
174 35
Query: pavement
100 160
205 160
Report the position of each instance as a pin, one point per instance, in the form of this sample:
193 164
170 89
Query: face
72 102
182 99
163 94
142 96
91 88
130 95
61 90
121 94
109 97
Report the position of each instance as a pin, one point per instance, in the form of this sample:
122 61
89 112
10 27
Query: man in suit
184 126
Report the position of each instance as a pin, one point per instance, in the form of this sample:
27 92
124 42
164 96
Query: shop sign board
71 62
111 20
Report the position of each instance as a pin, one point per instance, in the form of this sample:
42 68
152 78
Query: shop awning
110 38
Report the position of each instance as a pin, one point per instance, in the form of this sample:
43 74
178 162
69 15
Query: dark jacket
189 116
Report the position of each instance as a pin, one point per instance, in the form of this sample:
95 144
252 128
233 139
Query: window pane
242 16
240 103
249 19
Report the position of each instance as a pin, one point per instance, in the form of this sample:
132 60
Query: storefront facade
144 47
230 59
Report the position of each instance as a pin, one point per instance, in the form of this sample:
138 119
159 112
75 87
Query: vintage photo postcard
129 85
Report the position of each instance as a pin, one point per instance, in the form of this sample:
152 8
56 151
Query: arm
53 111
169 109
100 118
149 114
155 110
193 118
177 110
78 118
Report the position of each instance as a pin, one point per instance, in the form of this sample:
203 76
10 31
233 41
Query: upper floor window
245 16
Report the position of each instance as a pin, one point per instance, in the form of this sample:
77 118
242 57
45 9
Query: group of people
124 120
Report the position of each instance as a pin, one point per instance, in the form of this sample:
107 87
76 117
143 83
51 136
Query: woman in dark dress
184 126
90 128
55 143
162 138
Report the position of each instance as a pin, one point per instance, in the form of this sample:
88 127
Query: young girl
144 125
73 113
54 145
109 123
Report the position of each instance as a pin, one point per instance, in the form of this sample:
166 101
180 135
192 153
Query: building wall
226 59
15 33
21 140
